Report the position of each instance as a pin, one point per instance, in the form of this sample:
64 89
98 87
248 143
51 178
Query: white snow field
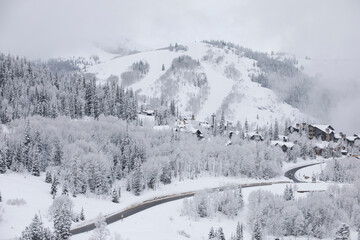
166 221
234 92
35 192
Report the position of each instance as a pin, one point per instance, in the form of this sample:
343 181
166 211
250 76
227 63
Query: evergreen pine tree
115 197
62 223
172 108
82 216
137 178
276 130
2 163
36 231
286 193
26 147
0 197
222 123
337 172
286 130
48 178
58 153
343 233
239 232
54 187
246 126
163 67
65 190
220 234
271 133
35 170
211 234
257 231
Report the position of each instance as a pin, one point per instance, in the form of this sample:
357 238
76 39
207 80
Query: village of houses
324 135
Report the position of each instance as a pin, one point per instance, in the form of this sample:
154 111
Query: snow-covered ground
160 222
36 194
166 221
237 93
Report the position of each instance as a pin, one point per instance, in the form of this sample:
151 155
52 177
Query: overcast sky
322 29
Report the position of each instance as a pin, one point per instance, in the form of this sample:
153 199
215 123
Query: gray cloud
318 28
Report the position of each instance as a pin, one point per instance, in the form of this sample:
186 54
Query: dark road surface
291 173
154 202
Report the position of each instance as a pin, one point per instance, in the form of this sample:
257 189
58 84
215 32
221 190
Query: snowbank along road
160 200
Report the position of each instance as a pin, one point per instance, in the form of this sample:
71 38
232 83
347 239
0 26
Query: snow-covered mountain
202 79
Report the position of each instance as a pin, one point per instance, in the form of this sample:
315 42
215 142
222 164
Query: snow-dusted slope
227 83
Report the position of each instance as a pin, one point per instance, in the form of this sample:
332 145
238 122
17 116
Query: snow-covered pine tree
2 163
25 157
211 234
286 193
115 197
172 108
137 182
343 233
337 172
62 222
257 230
246 126
54 186
239 232
239 196
286 130
58 153
35 168
36 231
222 123
65 190
82 216
276 130
220 234
48 178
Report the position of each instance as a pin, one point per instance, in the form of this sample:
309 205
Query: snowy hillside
225 83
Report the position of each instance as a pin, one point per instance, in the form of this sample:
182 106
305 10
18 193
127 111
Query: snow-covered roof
254 134
323 127
351 138
149 111
295 127
162 128
337 136
281 143
283 137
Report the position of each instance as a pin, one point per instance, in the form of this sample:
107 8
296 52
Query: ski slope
236 94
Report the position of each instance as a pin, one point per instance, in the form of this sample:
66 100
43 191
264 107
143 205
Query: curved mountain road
156 201
291 173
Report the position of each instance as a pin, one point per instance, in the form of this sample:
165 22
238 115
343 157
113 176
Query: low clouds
317 28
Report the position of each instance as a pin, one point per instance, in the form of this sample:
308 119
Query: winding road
156 201
291 173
